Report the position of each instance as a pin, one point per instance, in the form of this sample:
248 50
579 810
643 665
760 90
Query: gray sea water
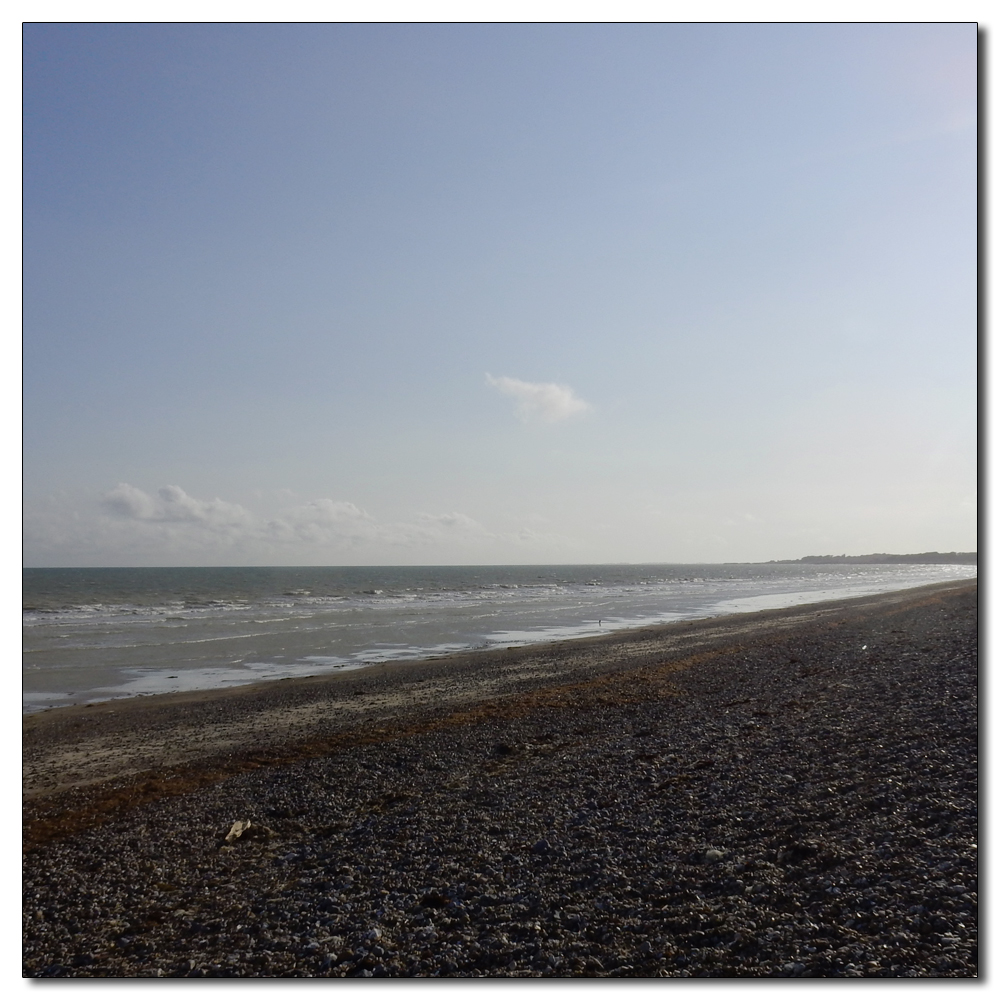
96 634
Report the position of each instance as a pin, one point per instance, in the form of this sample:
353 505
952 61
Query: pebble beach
784 794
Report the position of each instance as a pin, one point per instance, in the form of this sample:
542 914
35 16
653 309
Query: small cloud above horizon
546 401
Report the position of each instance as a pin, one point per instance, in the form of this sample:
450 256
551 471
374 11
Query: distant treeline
887 557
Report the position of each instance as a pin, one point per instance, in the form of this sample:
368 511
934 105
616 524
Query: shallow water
95 634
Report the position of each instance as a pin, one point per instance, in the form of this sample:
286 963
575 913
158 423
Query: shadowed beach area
787 793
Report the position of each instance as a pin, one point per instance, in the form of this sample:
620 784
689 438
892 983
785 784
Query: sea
96 634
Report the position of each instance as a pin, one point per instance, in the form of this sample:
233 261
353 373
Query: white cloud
453 522
133 524
547 401
322 522
130 502
452 527
173 504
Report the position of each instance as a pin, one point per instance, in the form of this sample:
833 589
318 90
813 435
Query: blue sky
361 294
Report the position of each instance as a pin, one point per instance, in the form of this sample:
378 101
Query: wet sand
715 714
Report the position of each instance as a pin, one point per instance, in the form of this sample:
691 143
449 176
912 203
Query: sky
361 294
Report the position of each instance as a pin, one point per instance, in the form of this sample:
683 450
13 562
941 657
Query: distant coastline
951 558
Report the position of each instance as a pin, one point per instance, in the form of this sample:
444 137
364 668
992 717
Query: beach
784 793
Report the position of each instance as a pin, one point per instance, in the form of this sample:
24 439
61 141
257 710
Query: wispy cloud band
321 522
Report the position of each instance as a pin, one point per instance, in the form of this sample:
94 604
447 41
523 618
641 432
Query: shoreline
144 660
786 794
191 736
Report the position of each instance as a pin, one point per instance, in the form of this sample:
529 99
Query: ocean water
97 634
